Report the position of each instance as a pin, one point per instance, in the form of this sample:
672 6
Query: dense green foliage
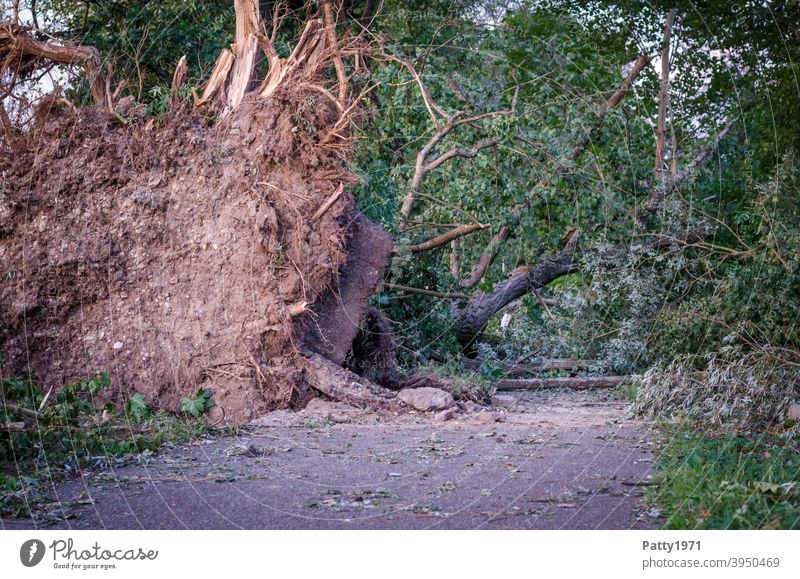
728 482
566 57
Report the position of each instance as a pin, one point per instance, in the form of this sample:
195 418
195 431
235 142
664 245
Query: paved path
559 460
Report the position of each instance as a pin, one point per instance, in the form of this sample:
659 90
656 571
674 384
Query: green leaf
136 408
200 404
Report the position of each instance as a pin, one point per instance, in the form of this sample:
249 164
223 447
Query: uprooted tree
203 233
218 248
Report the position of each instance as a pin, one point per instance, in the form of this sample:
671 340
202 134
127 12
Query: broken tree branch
445 238
567 364
330 28
430 104
423 165
470 321
466 153
424 292
19 52
488 256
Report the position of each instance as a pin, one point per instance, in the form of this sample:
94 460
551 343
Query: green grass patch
728 481
48 439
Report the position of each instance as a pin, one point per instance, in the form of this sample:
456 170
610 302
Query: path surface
559 460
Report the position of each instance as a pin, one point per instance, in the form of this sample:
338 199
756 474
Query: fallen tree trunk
534 368
577 383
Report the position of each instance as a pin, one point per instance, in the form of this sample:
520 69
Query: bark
663 100
19 51
470 321
339 384
577 383
445 238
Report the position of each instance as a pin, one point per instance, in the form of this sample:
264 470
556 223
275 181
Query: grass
727 481
76 430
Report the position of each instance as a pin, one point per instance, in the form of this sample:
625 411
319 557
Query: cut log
578 383
534 368
342 385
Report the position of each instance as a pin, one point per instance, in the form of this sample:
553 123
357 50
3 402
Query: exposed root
374 354
342 385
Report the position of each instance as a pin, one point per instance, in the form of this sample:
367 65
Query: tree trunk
470 322
663 100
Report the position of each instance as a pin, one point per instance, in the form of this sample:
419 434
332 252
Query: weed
728 481
75 430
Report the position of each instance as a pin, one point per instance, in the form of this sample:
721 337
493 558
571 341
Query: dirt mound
173 257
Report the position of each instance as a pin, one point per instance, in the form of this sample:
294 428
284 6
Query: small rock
793 413
118 345
337 412
469 406
426 399
504 401
487 417
445 415
245 450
